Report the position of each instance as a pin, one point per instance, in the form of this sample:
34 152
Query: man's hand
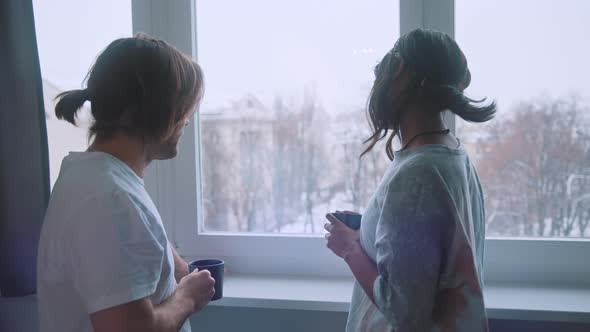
198 288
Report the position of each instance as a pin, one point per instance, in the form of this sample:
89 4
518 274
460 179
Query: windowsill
333 294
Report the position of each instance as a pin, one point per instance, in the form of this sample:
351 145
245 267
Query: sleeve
114 256
409 241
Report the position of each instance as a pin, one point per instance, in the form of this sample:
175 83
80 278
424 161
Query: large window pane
283 119
70 33
534 158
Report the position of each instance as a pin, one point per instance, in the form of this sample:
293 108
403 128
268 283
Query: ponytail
69 103
450 97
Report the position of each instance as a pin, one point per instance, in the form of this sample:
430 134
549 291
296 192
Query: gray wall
251 319
20 315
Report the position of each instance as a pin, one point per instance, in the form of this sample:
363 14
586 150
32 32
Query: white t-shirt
102 244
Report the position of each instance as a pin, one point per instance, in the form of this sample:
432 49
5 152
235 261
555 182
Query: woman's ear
400 68
402 79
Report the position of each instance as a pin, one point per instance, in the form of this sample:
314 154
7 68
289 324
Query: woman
418 257
104 261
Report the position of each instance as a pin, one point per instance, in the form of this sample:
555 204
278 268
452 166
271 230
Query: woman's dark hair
436 72
138 86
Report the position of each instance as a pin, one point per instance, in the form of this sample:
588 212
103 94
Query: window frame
175 186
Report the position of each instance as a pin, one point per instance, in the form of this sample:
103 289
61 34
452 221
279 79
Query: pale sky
522 49
516 49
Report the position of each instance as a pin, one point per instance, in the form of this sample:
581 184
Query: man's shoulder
98 177
98 198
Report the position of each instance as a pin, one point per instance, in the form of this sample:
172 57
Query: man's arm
180 266
192 295
142 315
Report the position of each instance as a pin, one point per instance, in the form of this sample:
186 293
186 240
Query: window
70 34
240 50
287 82
534 158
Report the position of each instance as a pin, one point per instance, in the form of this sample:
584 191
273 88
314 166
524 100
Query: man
105 263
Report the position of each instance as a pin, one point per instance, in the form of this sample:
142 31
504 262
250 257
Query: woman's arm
363 268
345 243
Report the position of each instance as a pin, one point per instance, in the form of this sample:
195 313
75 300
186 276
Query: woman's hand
341 239
345 242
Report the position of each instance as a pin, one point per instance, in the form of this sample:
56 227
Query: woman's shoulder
428 165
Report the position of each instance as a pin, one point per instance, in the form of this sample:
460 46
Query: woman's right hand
340 238
198 288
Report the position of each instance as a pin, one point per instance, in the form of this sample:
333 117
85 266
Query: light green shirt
425 230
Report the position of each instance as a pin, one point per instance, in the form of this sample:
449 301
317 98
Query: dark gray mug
216 268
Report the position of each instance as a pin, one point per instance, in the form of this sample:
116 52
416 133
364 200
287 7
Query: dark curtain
24 171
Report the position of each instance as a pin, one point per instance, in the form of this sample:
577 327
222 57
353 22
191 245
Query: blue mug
216 268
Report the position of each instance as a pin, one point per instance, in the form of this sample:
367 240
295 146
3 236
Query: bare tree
528 161
300 160
359 176
215 184
285 185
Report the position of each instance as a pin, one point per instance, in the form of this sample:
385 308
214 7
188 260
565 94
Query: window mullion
429 14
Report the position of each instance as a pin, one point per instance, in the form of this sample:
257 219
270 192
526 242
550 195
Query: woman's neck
416 122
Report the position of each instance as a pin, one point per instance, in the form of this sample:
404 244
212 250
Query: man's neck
132 151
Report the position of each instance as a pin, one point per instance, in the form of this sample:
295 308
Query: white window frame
175 186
